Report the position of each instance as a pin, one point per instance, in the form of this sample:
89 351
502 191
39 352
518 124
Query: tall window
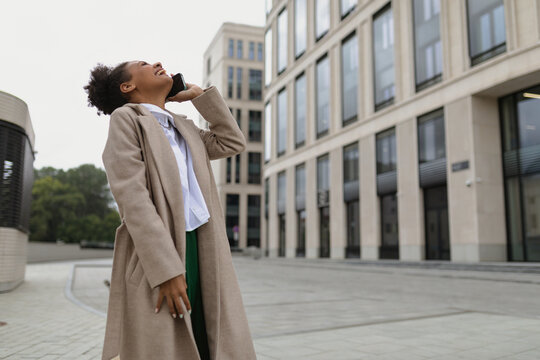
231 48
268 56
323 203
300 99
268 6
255 86
239 49
300 27
229 170
300 198
230 74
232 217
251 54
351 198
237 170
427 41
255 125
347 6
322 18
239 117
386 151
282 41
254 220
282 122
383 57
349 78
281 206
322 86
238 83
487 31
267 131
259 51
431 142
350 163
254 167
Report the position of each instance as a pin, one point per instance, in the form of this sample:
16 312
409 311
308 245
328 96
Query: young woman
171 247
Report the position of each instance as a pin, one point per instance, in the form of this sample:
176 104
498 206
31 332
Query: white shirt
195 210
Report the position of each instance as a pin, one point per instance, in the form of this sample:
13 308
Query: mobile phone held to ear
178 85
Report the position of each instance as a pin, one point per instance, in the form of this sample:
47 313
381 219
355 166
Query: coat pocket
134 270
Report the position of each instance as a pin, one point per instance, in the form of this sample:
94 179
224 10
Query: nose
158 63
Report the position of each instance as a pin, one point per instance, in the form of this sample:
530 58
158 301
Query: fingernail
174 316
190 311
181 316
155 310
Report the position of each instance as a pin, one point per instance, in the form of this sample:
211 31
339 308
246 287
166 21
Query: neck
155 99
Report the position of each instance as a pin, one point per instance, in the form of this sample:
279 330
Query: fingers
159 302
178 305
170 304
186 301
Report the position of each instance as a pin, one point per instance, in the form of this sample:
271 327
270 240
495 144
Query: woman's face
147 78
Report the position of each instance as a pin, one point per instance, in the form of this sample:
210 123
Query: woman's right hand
174 289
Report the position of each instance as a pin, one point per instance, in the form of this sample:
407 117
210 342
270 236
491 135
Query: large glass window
237 169
282 122
255 125
254 168
431 142
323 199
239 49
229 170
267 131
268 57
322 18
383 57
231 48
386 151
281 201
389 248
300 27
487 31
254 220
232 218
238 83
282 41
350 163
230 79
268 6
349 78
322 88
300 98
259 51
300 190
251 54
347 6
255 86
427 40
239 118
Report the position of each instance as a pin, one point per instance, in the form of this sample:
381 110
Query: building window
322 86
487 31
237 169
231 48
208 66
431 142
282 122
239 118
300 197
266 198
268 6
259 51
386 151
281 206
267 131
282 41
322 18
350 163
351 196
255 125
323 203
239 49
383 57
268 57
238 83
254 168
300 27
300 98
347 6
427 41
230 74
232 218
254 220
251 54
255 87
349 79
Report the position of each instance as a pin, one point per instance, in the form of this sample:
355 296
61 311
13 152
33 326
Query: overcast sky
49 47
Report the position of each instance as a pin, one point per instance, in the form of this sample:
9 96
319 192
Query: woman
171 248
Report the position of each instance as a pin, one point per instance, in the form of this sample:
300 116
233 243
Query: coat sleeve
223 138
126 173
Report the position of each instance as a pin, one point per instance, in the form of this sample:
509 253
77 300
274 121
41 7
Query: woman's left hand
190 93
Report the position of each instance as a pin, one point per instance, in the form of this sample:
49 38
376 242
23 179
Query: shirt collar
163 120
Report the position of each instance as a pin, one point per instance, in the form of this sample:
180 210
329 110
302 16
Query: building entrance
436 223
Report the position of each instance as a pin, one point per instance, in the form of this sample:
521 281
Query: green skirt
195 294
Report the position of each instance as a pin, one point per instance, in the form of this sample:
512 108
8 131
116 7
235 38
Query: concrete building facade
16 181
403 129
234 64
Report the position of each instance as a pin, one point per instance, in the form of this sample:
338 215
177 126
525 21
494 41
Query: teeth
160 72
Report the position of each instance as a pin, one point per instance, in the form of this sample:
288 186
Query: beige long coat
150 243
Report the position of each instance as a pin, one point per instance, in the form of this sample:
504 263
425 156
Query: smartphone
178 85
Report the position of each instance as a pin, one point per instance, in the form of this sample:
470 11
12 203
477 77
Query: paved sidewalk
306 309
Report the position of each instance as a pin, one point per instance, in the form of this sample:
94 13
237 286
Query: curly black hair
103 89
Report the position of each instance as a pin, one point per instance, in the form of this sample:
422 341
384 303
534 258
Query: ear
127 87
